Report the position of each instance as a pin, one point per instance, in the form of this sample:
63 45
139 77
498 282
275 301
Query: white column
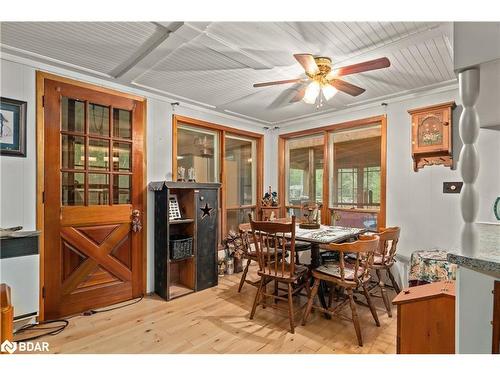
469 158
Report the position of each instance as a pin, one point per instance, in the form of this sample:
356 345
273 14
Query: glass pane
121 156
72 152
237 217
122 123
241 171
304 170
122 186
98 119
72 115
355 170
98 154
355 219
72 189
198 149
98 189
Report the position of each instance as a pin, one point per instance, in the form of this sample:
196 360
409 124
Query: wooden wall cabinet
432 135
495 345
426 319
199 206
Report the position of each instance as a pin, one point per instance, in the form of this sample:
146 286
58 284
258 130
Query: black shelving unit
198 203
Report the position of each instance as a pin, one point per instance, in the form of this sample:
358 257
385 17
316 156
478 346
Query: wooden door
93 188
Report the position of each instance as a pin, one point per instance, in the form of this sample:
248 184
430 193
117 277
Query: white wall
415 201
18 175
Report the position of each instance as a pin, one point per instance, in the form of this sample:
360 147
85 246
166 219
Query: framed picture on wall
12 127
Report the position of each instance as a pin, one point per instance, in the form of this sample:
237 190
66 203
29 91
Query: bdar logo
11 347
8 347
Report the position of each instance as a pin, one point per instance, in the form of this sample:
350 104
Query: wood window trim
223 130
325 130
41 76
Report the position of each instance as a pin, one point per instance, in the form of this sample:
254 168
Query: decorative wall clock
432 131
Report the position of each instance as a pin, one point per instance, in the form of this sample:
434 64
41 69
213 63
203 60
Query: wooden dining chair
251 256
271 238
348 276
383 261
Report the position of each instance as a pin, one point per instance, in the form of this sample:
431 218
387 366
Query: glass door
304 171
355 176
240 166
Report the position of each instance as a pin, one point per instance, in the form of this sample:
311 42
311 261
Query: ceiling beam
158 37
220 45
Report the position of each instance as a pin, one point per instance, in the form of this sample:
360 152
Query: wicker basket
181 246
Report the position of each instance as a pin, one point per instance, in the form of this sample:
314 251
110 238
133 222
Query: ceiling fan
323 81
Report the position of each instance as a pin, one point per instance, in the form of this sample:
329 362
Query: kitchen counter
487 258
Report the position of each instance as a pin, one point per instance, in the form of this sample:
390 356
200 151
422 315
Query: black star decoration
207 211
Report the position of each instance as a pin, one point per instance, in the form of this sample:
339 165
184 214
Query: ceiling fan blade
346 87
365 66
284 98
299 95
307 62
263 84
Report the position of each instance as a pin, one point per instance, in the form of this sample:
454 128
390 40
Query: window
241 179
355 166
211 149
198 148
355 172
304 169
347 184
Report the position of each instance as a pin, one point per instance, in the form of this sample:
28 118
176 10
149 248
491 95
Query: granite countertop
487 258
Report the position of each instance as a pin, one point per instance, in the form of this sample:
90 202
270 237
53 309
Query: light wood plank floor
216 321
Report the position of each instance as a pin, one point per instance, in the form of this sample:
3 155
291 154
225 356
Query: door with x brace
93 188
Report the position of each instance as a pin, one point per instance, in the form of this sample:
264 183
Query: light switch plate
452 187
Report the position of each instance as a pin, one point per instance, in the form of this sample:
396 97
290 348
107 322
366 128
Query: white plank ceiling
215 64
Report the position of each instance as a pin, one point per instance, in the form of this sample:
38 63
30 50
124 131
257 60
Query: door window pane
72 189
199 149
304 163
121 189
122 123
72 152
98 154
98 189
98 119
72 115
121 156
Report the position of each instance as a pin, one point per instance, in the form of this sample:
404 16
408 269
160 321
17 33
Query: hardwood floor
216 321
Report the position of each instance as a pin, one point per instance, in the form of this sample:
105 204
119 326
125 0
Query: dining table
319 238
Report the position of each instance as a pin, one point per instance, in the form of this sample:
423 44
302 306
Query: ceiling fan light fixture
329 91
312 92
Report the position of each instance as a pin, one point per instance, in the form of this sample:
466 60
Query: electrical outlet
452 187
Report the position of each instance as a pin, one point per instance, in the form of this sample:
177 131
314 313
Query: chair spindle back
270 240
389 238
364 249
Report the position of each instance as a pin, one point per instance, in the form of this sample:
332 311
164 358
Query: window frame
223 131
326 131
